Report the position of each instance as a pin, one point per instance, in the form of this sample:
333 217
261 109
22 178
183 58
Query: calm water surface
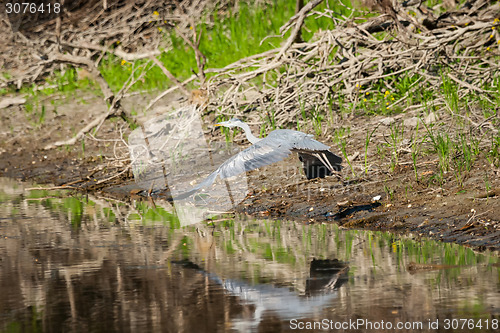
91 264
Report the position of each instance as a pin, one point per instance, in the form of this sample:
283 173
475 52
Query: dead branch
91 68
114 108
168 91
347 60
299 21
118 51
171 76
201 60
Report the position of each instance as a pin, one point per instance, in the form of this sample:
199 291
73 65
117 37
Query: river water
92 264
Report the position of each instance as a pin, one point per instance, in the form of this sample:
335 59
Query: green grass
450 92
493 154
234 35
415 149
367 144
396 135
442 147
340 137
228 37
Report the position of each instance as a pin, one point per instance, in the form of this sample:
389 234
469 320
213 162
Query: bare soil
469 216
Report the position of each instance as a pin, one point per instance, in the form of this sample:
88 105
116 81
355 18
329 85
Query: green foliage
367 143
493 155
341 135
396 135
389 192
228 37
450 92
415 149
441 144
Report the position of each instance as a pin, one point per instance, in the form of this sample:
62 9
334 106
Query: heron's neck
248 133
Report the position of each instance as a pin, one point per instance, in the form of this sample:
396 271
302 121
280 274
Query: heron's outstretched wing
307 142
267 151
277 146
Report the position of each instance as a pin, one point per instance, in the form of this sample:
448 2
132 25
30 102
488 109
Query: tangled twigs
130 30
114 109
352 59
108 96
87 32
299 21
201 60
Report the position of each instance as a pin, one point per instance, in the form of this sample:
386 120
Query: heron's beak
217 125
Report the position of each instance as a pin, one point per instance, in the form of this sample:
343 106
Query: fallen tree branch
171 77
91 68
117 52
168 91
299 21
201 60
114 109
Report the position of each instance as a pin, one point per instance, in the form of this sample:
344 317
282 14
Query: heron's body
318 161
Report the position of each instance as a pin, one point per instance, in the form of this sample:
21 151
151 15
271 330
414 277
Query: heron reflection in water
317 159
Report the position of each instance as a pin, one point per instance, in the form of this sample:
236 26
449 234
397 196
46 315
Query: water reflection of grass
80 207
290 245
270 242
271 238
56 201
137 244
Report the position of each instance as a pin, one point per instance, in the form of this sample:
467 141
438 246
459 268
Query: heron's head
235 122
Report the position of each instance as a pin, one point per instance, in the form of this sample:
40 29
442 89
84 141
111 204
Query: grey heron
317 159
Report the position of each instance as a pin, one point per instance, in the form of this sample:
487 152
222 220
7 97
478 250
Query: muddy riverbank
467 214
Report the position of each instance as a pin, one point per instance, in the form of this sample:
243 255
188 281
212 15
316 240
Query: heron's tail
334 161
320 163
